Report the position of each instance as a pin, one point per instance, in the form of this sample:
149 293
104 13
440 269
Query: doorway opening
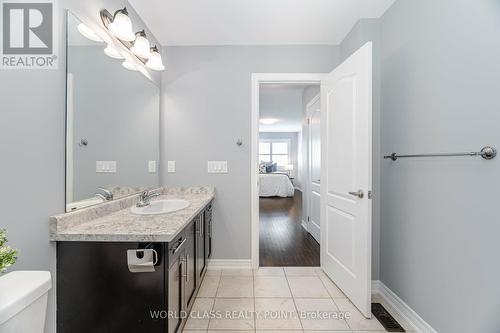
280 154
289 154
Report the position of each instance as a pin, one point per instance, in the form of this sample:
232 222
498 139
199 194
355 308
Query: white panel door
346 177
314 148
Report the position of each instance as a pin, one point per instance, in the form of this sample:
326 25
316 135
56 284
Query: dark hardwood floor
283 241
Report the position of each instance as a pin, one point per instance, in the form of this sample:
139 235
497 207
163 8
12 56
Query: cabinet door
175 294
97 293
190 261
200 247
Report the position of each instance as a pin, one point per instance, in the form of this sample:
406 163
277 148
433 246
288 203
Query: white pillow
263 167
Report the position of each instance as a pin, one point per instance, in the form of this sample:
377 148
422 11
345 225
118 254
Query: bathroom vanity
105 283
123 265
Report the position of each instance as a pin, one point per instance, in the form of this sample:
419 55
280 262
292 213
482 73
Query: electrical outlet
152 166
217 167
105 166
171 166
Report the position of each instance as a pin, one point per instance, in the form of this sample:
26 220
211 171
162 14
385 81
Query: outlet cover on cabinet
217 167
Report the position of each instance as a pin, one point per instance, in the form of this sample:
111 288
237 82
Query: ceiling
284 103
255 22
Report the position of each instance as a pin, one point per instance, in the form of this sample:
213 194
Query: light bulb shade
130 65
112 52
88 33
121 26
269 121
155 63
141 46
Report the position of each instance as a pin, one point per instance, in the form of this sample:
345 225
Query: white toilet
23 301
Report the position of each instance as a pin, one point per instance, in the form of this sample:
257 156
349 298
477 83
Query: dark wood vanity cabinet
96 292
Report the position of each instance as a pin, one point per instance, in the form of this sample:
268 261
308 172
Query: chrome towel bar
487 153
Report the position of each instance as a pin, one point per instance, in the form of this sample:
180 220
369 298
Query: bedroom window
276 151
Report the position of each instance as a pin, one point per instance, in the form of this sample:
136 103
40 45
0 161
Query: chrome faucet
145 198
107 196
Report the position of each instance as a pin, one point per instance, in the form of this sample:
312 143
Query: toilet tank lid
19 289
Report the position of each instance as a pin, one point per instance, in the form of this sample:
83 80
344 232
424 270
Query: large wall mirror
112 124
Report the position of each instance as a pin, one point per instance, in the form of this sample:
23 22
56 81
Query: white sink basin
161 207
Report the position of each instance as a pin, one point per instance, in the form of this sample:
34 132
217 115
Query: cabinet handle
178 247
185 271
202 225
182 290
187 267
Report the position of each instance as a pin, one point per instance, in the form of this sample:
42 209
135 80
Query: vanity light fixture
155 63
130 65
269 121
88 33
141 46
112 52
121 26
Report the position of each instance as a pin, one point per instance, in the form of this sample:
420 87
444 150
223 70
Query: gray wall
440 226
293 137
368 30
206 108
32 144
119 120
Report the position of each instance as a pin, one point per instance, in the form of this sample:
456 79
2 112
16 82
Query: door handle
358 194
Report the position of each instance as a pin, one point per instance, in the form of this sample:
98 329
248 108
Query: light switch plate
171 166
152 166
105 166
217 167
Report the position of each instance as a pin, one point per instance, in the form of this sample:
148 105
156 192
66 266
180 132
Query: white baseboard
230 263
314 230
304 225
398 308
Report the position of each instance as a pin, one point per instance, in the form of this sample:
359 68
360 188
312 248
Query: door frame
257 80
309 168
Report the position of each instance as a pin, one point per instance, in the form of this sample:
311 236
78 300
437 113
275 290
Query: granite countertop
114 222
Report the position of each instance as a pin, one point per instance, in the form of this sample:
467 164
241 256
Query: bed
276 184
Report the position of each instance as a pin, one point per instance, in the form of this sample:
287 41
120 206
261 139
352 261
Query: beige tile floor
274 299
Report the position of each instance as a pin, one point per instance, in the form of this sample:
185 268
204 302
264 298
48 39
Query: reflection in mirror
112 123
